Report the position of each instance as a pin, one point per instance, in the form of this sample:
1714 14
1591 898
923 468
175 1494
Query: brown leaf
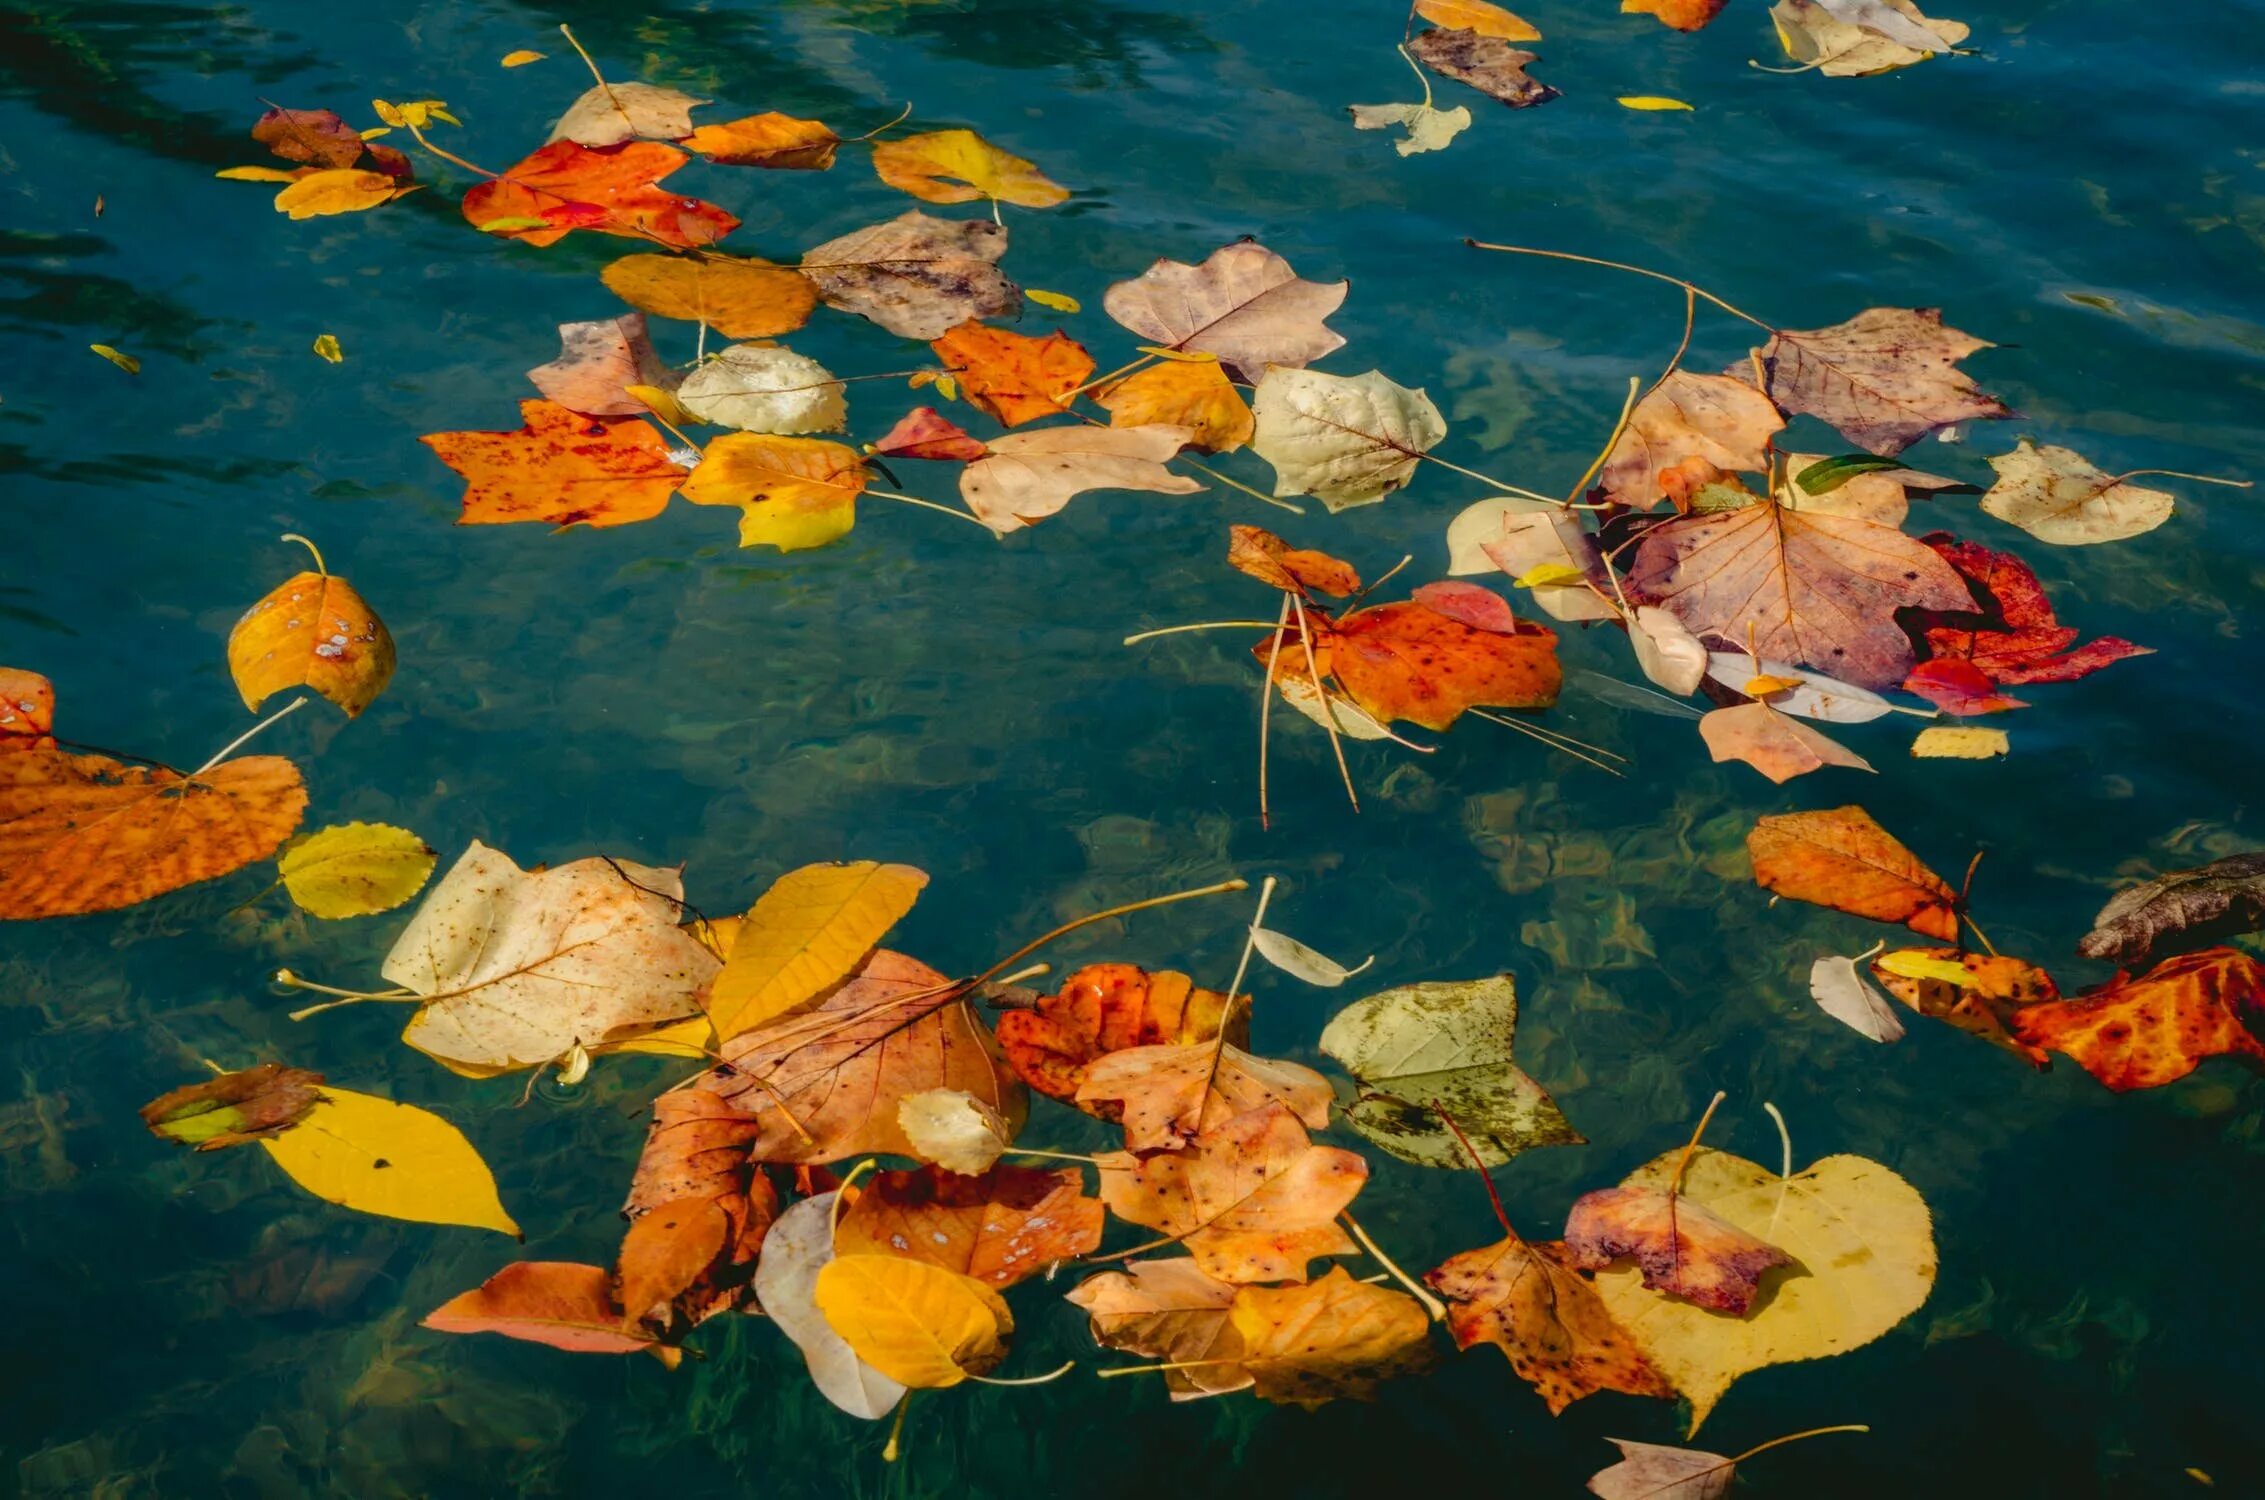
1528 1300
1841 858
1253 1199
698 1210
317 137
916 275
1486 63
1885 378
2144 1032
1335 1337
1682 1247
1243 304
235 1107
597 363
1778 746
1025 477
1804 587
1653 1471
1169 1310
1007 1225
1168 1095
1104 1008
1712 419
1275 563
2219 899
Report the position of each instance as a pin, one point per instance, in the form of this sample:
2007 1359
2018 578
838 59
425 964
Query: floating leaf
804 935
312 630
1478 16
326 347
954 1129
776 141
1976 992
1959 687
925 433
1428 129
598 363
1711 418
1423 1050
699 1211
924 1327
763 388
740 299
2216 900
1779 747
1345 440
317 137
1885 378
520 57
1650 101
915 275
1809 695
121 359
1167 1095
1843 993
562 468
519 967
609 113
1681 1248
568 186
793 493
559 1303
2145 1032
1243 304
354 869
1275 563
2016 638
1300 962
1012 376
1841 858
798 1249
1668 653
1528 1300
27 709
341 190
2058 496
921 164
1104 1008
1409 661
1487 63
1169 1310
1000 1227
1331 1338
1025 477
1841 47
1683 15
395 1160
1194 394
246 1105
1942 742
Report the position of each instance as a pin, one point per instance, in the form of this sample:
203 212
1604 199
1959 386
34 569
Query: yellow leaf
416 113
1911 963
312 630
521 58
343 190
1185 356
805 934
1054 300
1762 685
690 1037
1478 16
1650 101
1944 741
121 359
259 174
395 1160
1546 575
327 346
920 1325
661 403
354 869
948 387
918 164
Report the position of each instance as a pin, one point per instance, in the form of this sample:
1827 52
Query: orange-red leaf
558 1303
1982 1004
611 189
1105 1008
1008 1224
1841 858
2143 1033
1682 1247
767 140
925 433
1409 661
1012 376
562 468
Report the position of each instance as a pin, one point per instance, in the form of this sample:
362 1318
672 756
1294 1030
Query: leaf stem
1488 479
895 1446
1616 265
1046 1379
1675 1183
237 743
2231 484
1149 635
1795 1437
1431 1305
1328 715
1250 941
902 116
1266 706
1421 76
1478 1164
293 536
1627 410
1236 484
591 63
1221 888
924 505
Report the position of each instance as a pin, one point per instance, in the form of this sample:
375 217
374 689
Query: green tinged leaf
354 869
1829 474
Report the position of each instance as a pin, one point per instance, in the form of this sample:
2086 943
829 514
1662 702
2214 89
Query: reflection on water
919 693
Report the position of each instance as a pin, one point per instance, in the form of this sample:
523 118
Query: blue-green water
2086 192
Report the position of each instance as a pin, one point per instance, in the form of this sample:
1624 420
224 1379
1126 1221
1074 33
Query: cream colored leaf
396 1160
1666 651
1428 128
1817 696
1960 742
1839 48
760 388
1843 993
797 1248
609 114
1346 440
1168 1310
1550 553
1476 525
1300 962
954 1129
1351 719
2058 496
1028 476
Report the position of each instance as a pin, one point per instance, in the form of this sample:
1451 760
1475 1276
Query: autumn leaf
1105 1008
1680 1247
311 630
1004 1226
955 1130
597 363
915 275
569 186
1330 1338
1408 661
1444 1048
558 1303
2148 1031
1711 418
1841 858
1798 586
1790 690
780 142
1194 394
1528 1299
517 968
1779 747
1653 1471
1487 63
609 113
767 389
317 137
1959 687
2221 899
1885 378
1243 304
926 433
1976 992
1171 1311
1167 1095
1843 993
804 935
1428 129
824 1082
2014 637
340 190
1683 15
1839 47
1275 563
1253 1199
562 468
1523 538
82 833
1947 742
700 1211
234 1108
2058 496
354 869
798 1249
793 493
1025 477
959 166
924 1327
395 1160
739 298
27 710
1012 376
1345 440
1478 16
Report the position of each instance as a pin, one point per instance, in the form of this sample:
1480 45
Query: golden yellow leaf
690 1037
312 631
326 345
521 58
1960 742
1058 301
920 1325
792 492
354 869
342 190
918 164
379 1157
1478 16
260 174
415 112
1915 963
1650 101
661 403
805 934
741 299
118 357
1195 394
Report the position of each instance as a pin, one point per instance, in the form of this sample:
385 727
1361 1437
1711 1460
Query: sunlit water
2086 193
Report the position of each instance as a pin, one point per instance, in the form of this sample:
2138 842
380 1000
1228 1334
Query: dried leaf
1025 477
2058 496
1243 304
1650 1471
1012 376
1807 695
1487 63
1683 15
1428 129
804 935
763 388
1194 394
921 1326
597 364
2217 900
1712 418
916 276
2016 637
1001 1227
1171 1311
1345 440
1332 1338
921 164
311 630
740 299
773 140
2148 1031
27 709
799 1248
1275 563
562 468
1841 858
954 1129
341 190
1779 747
558 1303
1682 1248
1478 16
1976 992
793 493
609 113
568 186
246 1105
1885 378
1300 962
923 432
1528 1300
395 1160
1840 48
1942 742
1167 1095
1843 993
1105 1008
317 137
1408 661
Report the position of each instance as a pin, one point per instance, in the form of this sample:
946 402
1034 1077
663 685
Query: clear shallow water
2086 194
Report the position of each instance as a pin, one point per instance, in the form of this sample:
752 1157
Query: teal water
2086 193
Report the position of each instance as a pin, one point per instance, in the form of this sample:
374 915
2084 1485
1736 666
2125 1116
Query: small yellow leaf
806 932
1184 356
258 174
327 346
414 114
1054 300
661 403
1762 685
521 58
354 869
920 1325
1911 963
690 1037
342 190
1650 101
1944 741
394 1160
1545 575
948 387
122 360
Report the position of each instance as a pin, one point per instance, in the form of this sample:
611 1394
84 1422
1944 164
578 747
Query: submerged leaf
2220 899
1841 858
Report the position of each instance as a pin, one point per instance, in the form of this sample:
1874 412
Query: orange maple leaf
562 467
